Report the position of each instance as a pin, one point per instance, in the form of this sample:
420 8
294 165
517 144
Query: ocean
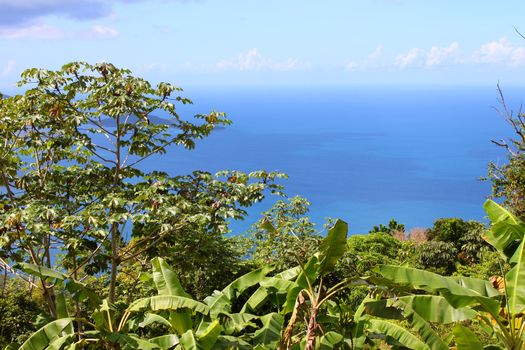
361 154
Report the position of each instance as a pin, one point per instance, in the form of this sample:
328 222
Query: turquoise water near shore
362 154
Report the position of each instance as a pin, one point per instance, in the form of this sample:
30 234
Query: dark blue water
364 155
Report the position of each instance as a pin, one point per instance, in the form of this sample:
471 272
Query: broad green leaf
456 294
61 305
398 333
58 343
131 341
333 246
180 320
279 284
45 335
505 229
425 330
153 318
40 271
188 341
234 289
238 322
434 308
515 281
208 334
167 302
466 339
307 277
165 341
271 329
329 340
218 303
166 280
260 296
230 342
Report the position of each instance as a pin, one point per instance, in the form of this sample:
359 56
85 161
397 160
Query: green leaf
456 294
40 271
166 280
234 289
167 302
329 340
398 333
260 296
218 303
435 308
188 341
208 334
466 339
153 318
333 246
45 335
515 281
165 341
505 230
271 329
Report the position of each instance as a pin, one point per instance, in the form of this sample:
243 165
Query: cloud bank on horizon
238 41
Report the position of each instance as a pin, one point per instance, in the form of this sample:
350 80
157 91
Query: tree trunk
311 331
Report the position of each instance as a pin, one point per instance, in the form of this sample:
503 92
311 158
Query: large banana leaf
330 340
260 296
432 308
166 280
234 289
466 339
333 246
167 283
271 329
307 277
218 303
45 335
207 334
515 281
167 341
398 333
505 229
237 322
424 329
456 294
167 302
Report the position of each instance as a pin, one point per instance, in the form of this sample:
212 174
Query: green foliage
284 235
392 228
20 304
508 180
71 184
438 256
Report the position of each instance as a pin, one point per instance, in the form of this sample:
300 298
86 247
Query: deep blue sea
362 154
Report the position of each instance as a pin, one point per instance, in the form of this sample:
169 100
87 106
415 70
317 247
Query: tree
508 180
72 144
284 235
392 228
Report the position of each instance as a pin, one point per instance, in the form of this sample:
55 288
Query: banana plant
500 312
187 324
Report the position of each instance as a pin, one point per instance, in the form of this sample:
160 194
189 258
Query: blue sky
255 42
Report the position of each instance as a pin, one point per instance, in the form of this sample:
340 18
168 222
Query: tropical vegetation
99 251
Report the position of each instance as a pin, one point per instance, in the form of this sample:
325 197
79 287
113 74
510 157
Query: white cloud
412 57
37 31
442 55
376 54
373 60
99 31
8 68
500 52
44 31
253 60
